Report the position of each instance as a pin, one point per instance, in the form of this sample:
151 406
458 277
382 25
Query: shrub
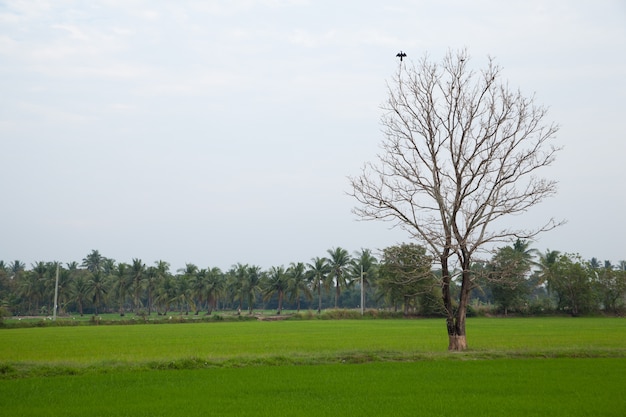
541 307
304 315
143 313
3 313
339 314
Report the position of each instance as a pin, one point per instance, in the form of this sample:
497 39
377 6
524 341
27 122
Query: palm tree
594 263
198 289
546 261
523 246
508 273
108 265
237 284
97 289
298 283
166 291
252 285
151 277
318 272
5 282
79 292
37 287
215 284
275 283
93 261
121 284
184 287
339 262
189 270
137 271
161 270
16 268
366 263
29 287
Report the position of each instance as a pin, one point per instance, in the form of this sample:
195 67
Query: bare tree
460 151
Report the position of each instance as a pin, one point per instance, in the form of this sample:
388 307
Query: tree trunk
456 332
456 328
209 305
280 302
457 343
319 298
455 320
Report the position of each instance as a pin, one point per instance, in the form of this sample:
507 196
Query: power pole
362 293
56 294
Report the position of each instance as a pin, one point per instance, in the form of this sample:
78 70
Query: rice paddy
539 366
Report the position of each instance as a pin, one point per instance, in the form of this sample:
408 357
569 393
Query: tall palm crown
215 286
138 269
366 265
318 271
93 262
339 263
121 284
252 285
276 283
298 283
546 261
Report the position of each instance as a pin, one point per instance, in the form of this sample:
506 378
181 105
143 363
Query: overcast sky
216 132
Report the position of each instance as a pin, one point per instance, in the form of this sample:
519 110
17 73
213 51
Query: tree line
403 278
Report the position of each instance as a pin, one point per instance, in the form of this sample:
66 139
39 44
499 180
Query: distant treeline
403 278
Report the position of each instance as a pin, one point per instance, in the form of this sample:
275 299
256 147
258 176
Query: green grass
306 340
523 387
216 341
514 367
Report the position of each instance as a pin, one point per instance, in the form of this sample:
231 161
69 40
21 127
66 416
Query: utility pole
56 294
362 293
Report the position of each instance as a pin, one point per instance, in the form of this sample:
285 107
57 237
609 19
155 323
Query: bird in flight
400 55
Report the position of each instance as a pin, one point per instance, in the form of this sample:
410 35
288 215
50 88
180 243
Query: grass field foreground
57 350
510 387
514 367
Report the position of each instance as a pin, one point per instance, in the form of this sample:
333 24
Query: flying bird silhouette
400 55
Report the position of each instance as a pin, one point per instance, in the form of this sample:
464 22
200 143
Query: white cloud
229 8
9 18
54 115
7 45
29 9
191 109
74 31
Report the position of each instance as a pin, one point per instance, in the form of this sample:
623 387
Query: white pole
362 293
56 294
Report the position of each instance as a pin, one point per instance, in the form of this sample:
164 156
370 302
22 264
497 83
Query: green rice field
514 367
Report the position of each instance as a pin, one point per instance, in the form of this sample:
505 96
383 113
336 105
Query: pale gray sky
217 132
